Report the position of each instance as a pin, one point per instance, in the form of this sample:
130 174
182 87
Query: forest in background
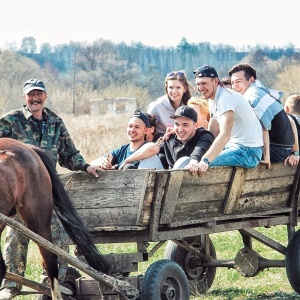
76 72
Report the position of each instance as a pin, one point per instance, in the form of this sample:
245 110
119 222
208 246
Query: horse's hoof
8 293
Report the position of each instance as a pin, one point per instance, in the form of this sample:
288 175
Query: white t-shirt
247 129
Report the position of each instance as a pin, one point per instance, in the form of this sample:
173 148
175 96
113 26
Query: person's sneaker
8 293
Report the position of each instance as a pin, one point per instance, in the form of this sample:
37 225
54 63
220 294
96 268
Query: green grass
228 284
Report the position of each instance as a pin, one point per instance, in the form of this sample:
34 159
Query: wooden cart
182 209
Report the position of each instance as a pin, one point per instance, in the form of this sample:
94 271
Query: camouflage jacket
19 125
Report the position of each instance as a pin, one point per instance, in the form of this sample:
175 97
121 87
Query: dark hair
226 80
248 70
152 119
179 75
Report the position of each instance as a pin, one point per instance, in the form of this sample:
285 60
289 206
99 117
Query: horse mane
70 219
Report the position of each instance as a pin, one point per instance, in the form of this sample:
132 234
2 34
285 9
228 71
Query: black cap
185 112
33 84
139 114
205 71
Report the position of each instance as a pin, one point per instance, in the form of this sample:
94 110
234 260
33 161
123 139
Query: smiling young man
280 139
237 130
137 127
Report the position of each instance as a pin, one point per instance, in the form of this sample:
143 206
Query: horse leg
50 265
40 224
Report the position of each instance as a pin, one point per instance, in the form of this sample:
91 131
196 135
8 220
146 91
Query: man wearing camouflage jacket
37 125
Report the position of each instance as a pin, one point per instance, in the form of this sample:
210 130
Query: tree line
75 72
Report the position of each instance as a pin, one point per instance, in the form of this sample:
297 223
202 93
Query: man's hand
202 168
93 170
169 131
104 162
292 160
192 166
266 161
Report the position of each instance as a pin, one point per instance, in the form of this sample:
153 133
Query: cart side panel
198 197
115 199
225 193
266 189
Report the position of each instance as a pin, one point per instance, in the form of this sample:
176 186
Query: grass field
228 284
96 136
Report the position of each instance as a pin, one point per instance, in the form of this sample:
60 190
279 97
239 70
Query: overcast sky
155 22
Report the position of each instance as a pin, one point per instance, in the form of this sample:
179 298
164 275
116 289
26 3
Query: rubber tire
292 261
200 279
165 280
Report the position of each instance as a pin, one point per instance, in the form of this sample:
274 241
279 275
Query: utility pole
73 83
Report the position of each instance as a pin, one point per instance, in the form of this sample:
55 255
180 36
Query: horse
31 187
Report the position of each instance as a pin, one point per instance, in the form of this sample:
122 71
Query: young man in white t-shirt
237 130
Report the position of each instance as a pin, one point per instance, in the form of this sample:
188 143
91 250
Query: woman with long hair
177 93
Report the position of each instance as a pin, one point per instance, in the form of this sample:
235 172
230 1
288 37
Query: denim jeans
238 156
279 153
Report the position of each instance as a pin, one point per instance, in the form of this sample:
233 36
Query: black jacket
173 149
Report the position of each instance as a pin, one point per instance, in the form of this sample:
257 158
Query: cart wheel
165 280
292 261
70 279
200 278
69 282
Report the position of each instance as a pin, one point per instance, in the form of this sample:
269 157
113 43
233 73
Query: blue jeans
237 155
279 153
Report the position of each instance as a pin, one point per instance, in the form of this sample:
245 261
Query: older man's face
35 100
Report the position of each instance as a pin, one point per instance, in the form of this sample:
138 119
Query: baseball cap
139 114
33 84
185 112
205 71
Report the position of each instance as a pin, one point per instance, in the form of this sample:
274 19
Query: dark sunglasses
179 74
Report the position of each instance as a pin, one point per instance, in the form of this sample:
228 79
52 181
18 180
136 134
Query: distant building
114 105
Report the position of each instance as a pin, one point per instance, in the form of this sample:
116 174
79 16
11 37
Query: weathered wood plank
123 216
201 193
263 202
144 200
160 189
276 170
105 199
234 190
170 199
106 179
197 210
268 185
214 175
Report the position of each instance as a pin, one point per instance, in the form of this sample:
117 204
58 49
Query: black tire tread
153 275
292 261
